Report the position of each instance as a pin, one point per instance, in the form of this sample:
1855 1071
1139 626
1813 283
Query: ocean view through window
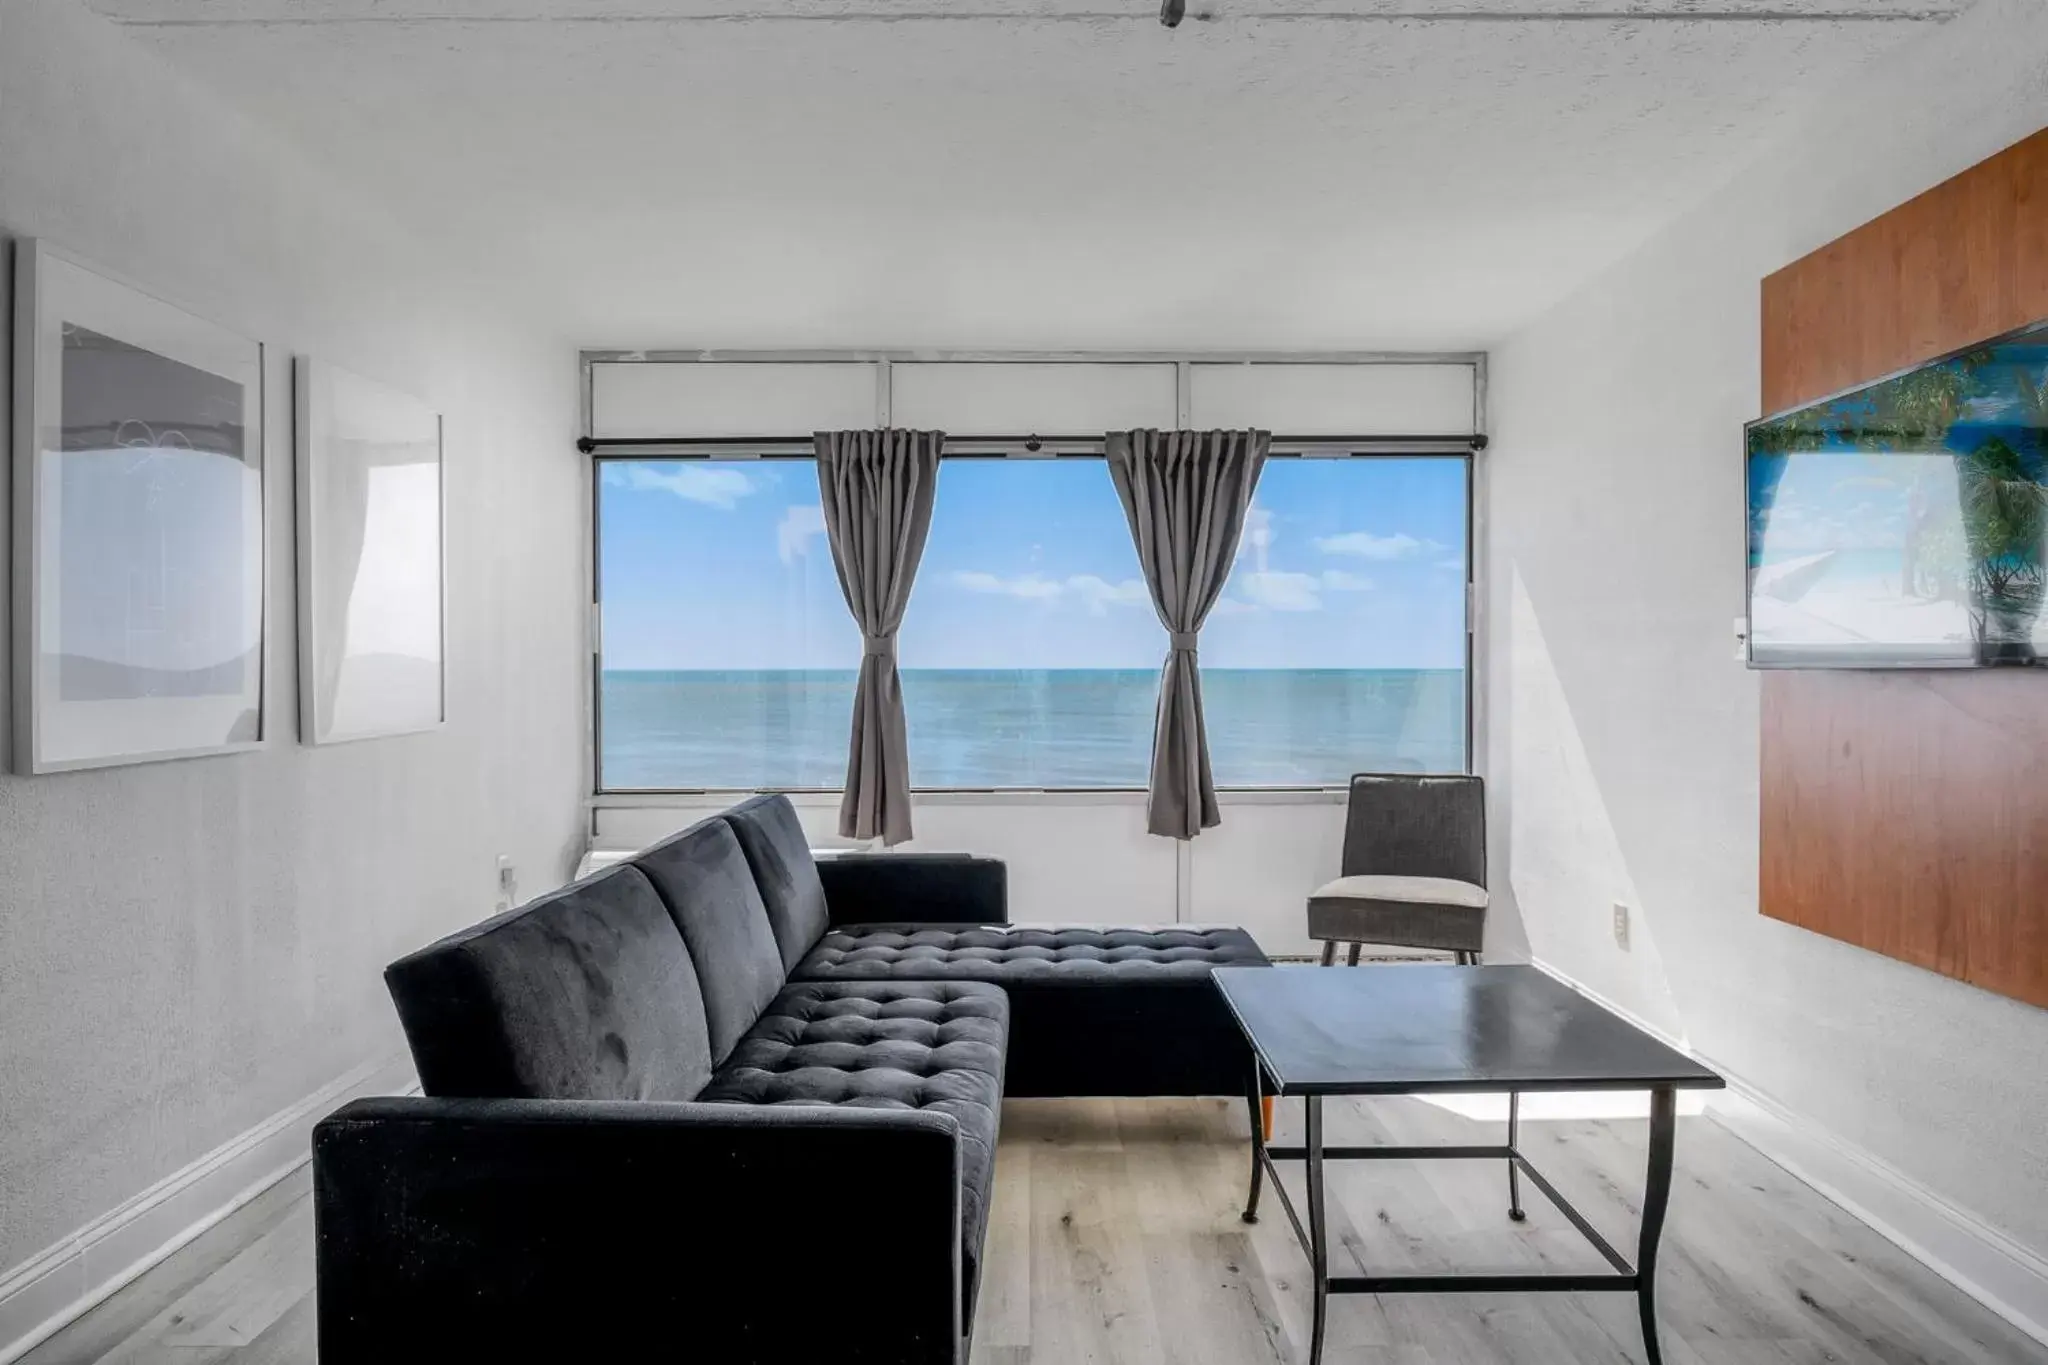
1030 654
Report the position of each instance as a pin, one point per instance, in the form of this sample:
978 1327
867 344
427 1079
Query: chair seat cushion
1442 923
1404 890
886 1045
1024 954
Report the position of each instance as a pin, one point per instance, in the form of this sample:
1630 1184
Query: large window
1030 654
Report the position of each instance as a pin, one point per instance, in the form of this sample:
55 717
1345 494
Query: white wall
189 948
1623 733
639 398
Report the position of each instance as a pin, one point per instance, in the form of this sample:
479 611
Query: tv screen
1901 525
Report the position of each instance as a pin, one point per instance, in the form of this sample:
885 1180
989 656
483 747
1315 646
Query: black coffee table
1401 1030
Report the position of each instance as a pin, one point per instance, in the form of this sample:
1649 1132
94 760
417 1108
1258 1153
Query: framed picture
371 608
138 524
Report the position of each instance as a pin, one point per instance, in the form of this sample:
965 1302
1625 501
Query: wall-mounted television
1901 524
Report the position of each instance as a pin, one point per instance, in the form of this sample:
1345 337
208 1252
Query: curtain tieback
883 646
1181 639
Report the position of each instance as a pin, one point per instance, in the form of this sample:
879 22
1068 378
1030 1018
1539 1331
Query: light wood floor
1115 1238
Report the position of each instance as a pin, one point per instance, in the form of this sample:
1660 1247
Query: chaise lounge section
1095 1010
666 1101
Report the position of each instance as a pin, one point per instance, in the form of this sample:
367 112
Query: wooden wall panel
1908 812
1963 262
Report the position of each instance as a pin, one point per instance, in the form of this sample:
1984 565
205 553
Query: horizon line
1056 668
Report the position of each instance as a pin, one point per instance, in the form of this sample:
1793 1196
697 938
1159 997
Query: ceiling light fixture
1171 12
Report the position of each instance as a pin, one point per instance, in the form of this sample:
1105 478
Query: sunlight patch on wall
1567 868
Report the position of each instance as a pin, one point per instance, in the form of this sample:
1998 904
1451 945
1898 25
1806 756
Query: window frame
1330 449
1469 443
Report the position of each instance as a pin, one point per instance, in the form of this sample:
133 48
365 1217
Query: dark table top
1398 1030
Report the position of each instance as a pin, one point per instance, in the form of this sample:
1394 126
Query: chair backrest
1408 825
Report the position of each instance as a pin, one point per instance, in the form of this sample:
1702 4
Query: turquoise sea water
1026 727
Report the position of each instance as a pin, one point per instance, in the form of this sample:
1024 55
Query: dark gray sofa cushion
934 1046
922 952
1092 1011
703 878
585 994
780 856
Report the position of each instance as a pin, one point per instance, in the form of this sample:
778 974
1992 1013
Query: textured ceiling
1030 173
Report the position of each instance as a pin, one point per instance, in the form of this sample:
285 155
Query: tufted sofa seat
1096 1010
1022 953
936 1047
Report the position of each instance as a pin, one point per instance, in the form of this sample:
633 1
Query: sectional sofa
726 1102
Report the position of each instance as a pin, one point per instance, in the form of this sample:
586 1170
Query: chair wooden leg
1329 951
1266 1104
1352 959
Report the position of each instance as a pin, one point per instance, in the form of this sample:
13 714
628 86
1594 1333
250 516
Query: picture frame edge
441 547
26 276
308 706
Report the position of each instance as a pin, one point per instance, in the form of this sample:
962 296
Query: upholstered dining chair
1414 868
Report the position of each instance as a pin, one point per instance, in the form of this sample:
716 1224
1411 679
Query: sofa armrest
596 1230
915 888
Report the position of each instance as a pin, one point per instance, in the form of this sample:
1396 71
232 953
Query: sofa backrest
703 879
588 993
780 856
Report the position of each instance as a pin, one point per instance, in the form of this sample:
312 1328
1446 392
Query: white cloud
1279 590
1285 590
793 533
1096 594
1366 545
1099 594
720 488
1030 586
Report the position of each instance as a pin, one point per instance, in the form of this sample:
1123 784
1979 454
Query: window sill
1006 796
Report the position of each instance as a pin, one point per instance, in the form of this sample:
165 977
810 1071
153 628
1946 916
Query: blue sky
1345 564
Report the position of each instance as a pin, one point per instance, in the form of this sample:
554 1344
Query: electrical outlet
1621 926
508 883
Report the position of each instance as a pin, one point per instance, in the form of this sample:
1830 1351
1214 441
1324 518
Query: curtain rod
1001 447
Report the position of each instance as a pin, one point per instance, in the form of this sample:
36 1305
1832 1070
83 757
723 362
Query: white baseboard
1977 1258
41 1295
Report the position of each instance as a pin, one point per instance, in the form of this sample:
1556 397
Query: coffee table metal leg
1515 1145
1258 1117
1656 1199
1319 1251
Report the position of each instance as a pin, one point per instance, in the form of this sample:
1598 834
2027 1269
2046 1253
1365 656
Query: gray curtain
1185 494
876 488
